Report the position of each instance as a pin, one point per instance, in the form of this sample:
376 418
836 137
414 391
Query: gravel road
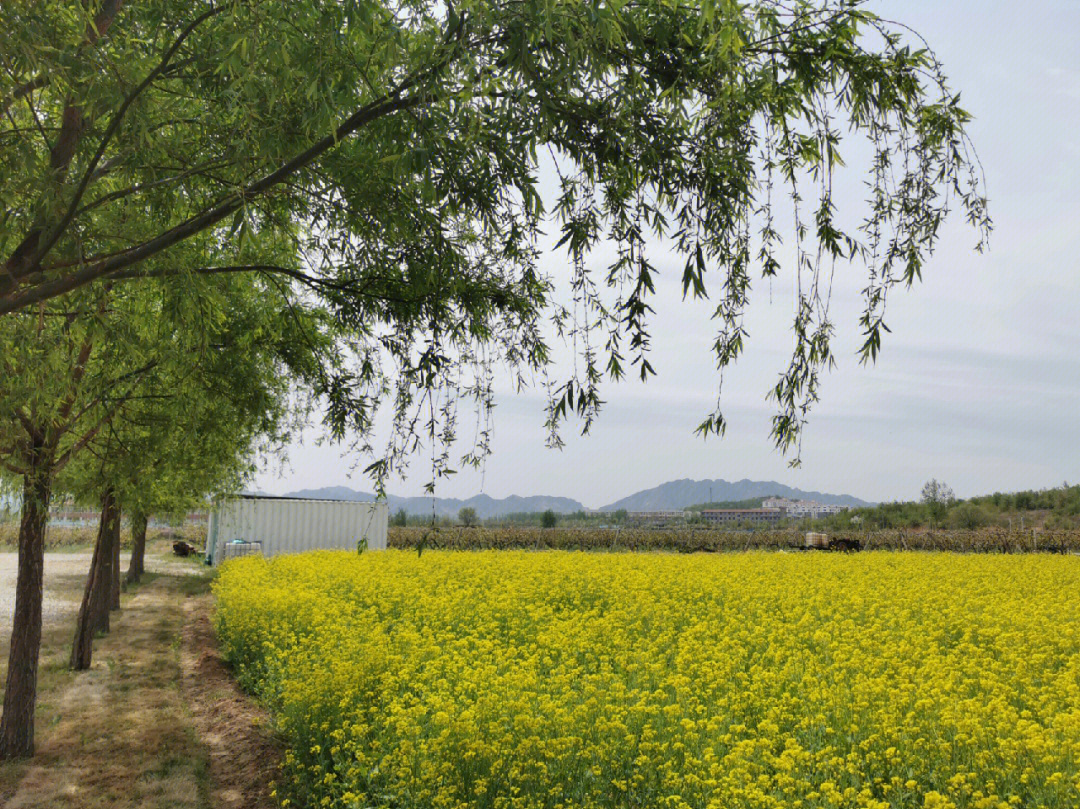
65 576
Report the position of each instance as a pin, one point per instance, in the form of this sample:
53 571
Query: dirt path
65 577
156 722
243 752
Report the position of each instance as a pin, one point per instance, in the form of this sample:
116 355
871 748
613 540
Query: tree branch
87 437
23 90
312 282
94 270
54 235
111 411
27 254
385 105
28 425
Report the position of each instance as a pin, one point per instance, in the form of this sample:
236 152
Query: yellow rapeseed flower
524 680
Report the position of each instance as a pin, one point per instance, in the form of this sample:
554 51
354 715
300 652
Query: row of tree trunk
100 597
102 579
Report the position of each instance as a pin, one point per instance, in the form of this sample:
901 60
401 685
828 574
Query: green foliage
536 518
162 392
467 516
1064 500
752 502
400 518
206 404
937 497
387 161
548 519
1052 509
67 370
968 516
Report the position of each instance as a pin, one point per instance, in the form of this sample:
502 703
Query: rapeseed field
549 679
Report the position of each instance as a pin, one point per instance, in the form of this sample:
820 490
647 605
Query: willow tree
193 429
55 395
388 159
398 147
74 369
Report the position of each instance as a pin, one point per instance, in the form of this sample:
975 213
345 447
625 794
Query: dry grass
133 731
119 734
63 538
243 751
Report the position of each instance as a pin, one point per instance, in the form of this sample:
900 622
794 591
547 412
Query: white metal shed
292 525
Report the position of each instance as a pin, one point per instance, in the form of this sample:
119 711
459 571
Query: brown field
61 538
694 540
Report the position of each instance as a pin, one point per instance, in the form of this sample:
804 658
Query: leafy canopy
206 400
385 158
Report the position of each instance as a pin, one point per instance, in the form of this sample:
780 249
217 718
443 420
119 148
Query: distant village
772 510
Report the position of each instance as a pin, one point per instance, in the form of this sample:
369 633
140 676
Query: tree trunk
114 566
107 571
94 610
138 548
20 692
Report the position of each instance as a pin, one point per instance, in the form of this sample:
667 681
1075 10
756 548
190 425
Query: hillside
683 493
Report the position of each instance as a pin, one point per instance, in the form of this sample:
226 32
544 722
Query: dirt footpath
243 752
65 578
157 721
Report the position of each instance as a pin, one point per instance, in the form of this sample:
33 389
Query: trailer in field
823 542
273 525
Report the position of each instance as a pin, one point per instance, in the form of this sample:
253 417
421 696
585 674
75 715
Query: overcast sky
978 384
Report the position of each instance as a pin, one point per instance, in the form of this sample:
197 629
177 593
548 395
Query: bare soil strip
243 752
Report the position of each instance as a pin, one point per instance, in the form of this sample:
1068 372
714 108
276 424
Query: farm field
522 679
702 539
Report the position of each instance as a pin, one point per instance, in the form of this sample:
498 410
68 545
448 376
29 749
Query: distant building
776 502
800 509
67 514
656 517
732 515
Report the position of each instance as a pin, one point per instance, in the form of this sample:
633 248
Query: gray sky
978 384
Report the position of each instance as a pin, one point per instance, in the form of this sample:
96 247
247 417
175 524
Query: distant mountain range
486 507
675 494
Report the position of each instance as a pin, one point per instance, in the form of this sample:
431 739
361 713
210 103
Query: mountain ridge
486 506
672 495
676 494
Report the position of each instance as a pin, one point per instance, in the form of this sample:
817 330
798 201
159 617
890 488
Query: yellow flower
523 680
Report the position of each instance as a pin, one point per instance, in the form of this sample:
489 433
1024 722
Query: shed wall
293 526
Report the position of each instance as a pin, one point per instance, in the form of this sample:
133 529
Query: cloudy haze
978 384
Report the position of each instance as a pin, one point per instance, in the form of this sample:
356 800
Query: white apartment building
798 509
